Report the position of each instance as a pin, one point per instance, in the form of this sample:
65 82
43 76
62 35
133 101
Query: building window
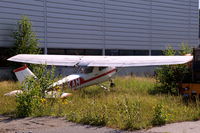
93 52
56 51
74 51
140 52
156 52
112 52
126 52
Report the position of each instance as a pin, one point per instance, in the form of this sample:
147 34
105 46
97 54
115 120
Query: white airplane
93 69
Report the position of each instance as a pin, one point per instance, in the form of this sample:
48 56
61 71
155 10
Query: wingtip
13 57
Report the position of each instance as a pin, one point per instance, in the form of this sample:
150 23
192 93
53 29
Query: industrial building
101 27
111 27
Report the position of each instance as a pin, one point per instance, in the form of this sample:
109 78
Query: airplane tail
22 73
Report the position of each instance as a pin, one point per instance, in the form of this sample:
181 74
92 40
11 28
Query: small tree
169 76
30 101
25 39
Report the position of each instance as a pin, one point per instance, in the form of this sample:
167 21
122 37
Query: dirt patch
8 124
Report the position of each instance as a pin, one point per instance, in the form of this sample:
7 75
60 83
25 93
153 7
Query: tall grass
127 106
7 104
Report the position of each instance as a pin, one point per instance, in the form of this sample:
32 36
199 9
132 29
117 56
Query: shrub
32 98
159 117
169 76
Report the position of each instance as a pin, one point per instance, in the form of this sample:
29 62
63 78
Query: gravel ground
60 125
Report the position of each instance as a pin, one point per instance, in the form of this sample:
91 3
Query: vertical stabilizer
22 73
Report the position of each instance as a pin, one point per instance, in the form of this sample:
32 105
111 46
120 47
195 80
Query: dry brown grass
7 103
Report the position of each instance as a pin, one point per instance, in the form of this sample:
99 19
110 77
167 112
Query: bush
32 98
159 117
169 76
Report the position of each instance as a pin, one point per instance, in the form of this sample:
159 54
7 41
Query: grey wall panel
73 7
113 24
130 18
127 30
74 36
134 45
77 2
170 9
81 22
25 2
21 11
128 26
125 43
181 3
172 25
14 22
75 40
72 45
11 12
6 38
126 9
16 16
127 34
171 36
126 13
129 4
74 16
124 21
128 38
6 43
169 4
74 26
73 21
75 12
73 31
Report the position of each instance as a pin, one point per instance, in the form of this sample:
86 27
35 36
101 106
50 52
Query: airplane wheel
112 84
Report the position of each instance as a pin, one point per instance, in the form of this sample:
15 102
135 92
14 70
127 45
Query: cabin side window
101 68
88 70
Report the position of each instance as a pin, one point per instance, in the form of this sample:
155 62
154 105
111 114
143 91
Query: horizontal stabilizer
13 93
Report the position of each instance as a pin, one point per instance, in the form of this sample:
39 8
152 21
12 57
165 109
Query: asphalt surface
60 125
49 125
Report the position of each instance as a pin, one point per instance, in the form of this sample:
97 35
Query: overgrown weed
127 106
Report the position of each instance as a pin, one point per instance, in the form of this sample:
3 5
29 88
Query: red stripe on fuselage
85 81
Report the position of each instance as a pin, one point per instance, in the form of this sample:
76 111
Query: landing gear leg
111 83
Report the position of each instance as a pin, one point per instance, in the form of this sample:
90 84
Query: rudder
22 73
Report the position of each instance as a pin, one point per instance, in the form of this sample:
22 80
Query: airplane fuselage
95 75
77 81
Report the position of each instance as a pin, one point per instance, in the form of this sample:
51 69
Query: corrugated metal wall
104 24
12 10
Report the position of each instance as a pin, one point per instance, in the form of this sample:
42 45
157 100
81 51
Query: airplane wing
101 61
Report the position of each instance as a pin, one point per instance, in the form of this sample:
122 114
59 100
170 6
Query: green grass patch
127 106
